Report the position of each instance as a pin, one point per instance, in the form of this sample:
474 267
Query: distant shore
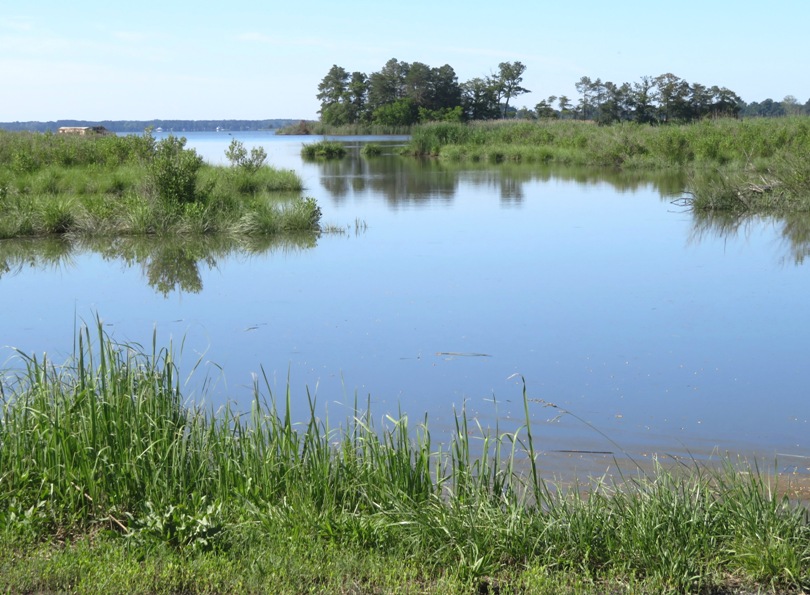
138 126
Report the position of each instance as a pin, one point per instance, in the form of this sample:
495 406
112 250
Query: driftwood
744 192
767 186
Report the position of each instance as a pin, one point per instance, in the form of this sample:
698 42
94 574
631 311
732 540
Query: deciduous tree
446 89
479 100
402 112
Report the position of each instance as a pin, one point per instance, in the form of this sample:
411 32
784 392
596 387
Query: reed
106 443
706 143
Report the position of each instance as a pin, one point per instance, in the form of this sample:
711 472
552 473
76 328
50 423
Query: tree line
402 94
138 126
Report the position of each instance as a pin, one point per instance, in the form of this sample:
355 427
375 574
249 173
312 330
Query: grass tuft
324 149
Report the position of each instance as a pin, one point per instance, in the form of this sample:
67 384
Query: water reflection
399 180
402 180
794 229
48 253
169 264
796 232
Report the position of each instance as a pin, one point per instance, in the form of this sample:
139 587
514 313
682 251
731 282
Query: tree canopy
402 93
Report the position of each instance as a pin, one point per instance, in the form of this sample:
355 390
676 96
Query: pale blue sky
96 60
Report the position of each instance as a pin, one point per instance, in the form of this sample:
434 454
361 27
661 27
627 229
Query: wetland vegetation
732 164
110 185
708 143
325 149
106 467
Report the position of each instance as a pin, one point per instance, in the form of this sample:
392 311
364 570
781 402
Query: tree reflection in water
420 181
169 264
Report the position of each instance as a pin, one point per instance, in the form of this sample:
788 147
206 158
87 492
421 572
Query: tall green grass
104 215
27 152
105 442
61 184
706 143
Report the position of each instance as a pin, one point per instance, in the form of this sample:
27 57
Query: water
454 285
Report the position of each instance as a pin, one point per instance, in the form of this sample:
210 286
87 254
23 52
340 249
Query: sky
245 59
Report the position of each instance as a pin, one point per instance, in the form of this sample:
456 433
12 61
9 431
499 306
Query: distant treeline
403 94
138 126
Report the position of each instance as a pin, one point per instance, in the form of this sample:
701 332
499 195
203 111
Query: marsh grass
27 152
371 150
751 165
104 445
705 143
37 215
59 184
781 186
324 149
241 181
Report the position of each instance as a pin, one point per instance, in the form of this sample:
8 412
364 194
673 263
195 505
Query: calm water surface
451 285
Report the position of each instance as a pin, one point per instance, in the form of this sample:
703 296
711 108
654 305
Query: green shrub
173 171
23 163
238 156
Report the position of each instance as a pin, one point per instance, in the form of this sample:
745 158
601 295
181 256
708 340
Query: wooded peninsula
403 94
